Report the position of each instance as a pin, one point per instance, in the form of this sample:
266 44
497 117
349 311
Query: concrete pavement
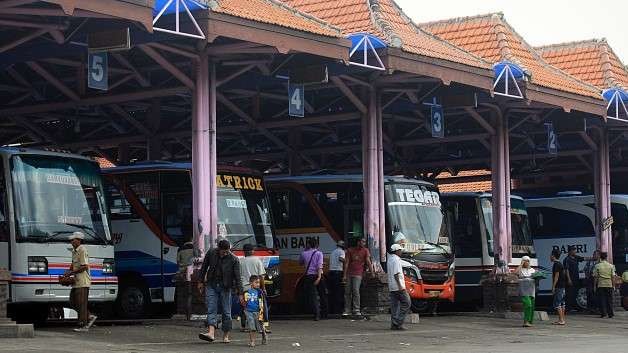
434 334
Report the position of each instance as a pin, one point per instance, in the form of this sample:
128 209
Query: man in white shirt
399 298
336 289
250 265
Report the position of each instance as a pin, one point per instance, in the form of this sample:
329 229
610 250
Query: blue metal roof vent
617 99
363 51
507 78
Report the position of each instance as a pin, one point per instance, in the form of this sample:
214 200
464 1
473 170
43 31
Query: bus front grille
433 276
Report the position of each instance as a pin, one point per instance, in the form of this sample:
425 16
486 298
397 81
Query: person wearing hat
527 290
250 265
399 298
79 295
334 277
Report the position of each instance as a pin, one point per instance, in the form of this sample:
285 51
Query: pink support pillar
380 178
501 216
204 155
506 159
602 190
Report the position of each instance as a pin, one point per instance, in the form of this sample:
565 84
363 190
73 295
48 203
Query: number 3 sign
97 71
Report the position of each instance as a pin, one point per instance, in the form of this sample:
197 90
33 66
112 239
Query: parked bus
471 225
560 221
45 196
330 208
151 216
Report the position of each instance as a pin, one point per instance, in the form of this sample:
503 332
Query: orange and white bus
330 208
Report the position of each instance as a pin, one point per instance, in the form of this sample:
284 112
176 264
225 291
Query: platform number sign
437 121
296 100
552 140
97 71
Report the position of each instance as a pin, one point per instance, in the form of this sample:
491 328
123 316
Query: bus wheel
581 298
132 302
420 306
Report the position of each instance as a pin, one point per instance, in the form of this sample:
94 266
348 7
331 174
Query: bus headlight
452 270
108 267
37 265
272 272
412 273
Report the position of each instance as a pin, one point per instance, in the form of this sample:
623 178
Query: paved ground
434 334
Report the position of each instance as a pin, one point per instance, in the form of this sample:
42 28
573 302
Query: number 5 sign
97 71
296 100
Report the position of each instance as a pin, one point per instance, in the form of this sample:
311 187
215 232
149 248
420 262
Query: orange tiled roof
386 20
277 13
104 162
472 186
492 38
592 61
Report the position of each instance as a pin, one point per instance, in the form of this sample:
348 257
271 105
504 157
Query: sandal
226 340
206 337
251 344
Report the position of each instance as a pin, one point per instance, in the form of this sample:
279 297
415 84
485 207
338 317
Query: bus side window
280 204
146 188
4 221
465 227
118 204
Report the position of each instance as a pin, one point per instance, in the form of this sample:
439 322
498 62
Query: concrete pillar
500 177
123 154
601 173
373 178
204 155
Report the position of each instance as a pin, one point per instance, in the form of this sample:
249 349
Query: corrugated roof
592 61
492 38
277 13
386 20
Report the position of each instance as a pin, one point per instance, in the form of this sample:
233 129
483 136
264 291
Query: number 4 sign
97 71
296 100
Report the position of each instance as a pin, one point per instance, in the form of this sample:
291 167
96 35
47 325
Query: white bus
560 221
45 197
329 208
151 216
471 225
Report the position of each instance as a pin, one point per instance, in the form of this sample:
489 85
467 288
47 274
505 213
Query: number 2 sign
552 142
97 71
296 100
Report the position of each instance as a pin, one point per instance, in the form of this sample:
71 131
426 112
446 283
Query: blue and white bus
45 196
151 216
560 221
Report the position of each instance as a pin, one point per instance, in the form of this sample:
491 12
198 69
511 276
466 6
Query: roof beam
163 62
349 94
480 120
53 80
131 120
34 34
143 81
96 100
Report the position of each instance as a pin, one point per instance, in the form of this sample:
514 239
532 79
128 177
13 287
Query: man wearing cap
250 265
336 289
399 298
79 294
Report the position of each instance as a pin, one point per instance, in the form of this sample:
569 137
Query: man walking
312 259
399 298
250 266
603 273
592 302
357 259
571 265
79 294
220 275
336 268
558 287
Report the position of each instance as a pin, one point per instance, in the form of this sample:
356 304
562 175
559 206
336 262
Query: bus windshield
56 196
519 223
244 215
416 218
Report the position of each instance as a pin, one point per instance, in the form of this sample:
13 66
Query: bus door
176 205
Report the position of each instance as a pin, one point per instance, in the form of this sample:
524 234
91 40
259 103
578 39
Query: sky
540 21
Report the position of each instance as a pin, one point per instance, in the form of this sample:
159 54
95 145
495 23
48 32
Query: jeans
572 293
311 295
528 308
399 307
352 294
336 292
559 298
215 297
606 301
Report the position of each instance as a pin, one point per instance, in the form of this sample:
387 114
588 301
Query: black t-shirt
560 270
572 266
